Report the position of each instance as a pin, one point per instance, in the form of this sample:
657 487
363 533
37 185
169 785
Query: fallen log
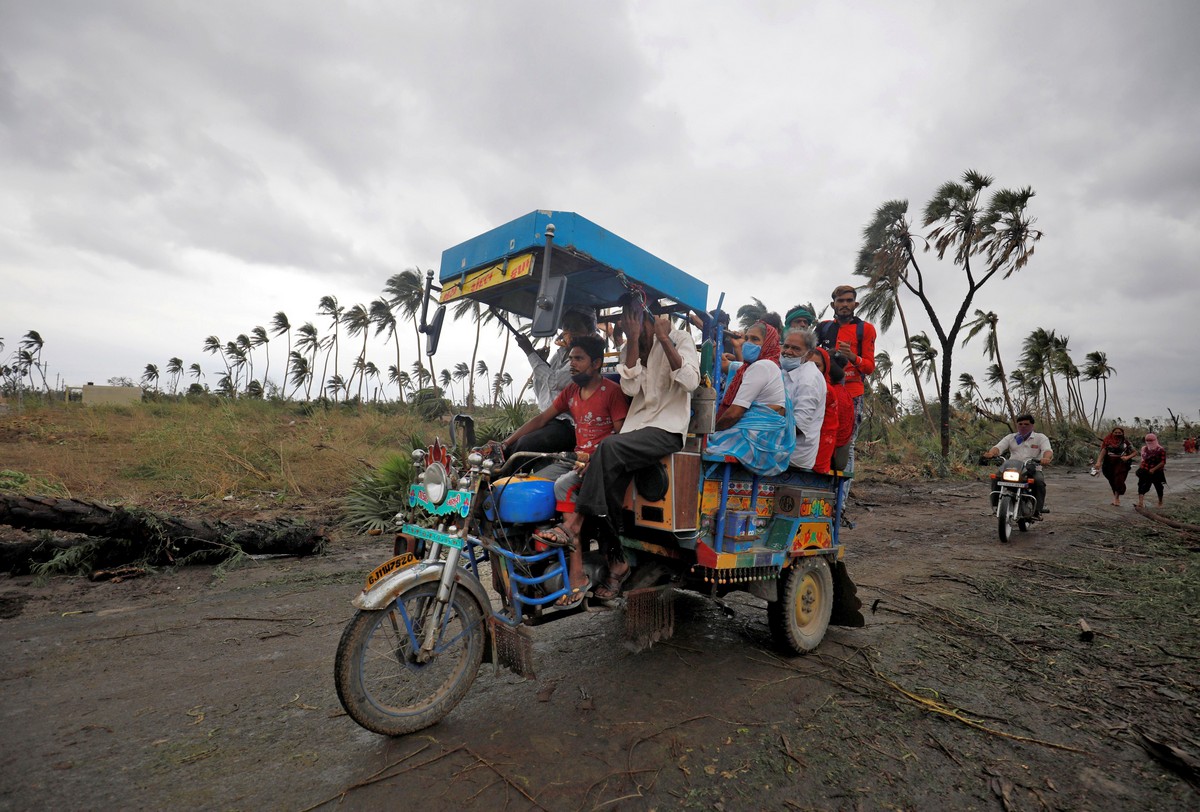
1149 514
123 535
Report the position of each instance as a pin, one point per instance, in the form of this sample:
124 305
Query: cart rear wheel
800 617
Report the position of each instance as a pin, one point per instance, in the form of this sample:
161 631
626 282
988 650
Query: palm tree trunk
474 353
504 358
396 338
912 362
1003 378
420 356
287 365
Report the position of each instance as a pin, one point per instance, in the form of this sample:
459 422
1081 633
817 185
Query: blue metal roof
589 256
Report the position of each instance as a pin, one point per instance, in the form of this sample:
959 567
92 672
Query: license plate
388 567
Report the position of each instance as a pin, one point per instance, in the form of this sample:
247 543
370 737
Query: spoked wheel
381 681
799 618
1005 518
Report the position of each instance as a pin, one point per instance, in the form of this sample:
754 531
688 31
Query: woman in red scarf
829 426
1114 460
1152 470
755 423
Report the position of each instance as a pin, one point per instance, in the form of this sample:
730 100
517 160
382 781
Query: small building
111 395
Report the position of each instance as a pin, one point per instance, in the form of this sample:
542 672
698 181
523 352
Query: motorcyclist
1032 448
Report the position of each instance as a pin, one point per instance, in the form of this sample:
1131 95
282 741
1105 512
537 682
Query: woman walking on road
1114 461
1151 471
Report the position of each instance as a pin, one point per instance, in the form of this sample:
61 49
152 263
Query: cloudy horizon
174 171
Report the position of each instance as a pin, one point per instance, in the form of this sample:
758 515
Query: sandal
613 584
575 596
557 536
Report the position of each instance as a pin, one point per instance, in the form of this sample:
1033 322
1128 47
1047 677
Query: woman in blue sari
755 423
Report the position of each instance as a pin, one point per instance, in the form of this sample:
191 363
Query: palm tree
279 326
237 360
385 319
1000 232
444 378
358 320
329 306
213 346
32 343
301 372
406 291
371 372
401 379
749 315
481 370
1037 352
259 338
308 342
195 371
991 347
150 376
883 260
923 357
334 385
423 377
246 352
1099 370
463 308
175 370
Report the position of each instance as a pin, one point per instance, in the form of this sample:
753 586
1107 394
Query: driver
1032 448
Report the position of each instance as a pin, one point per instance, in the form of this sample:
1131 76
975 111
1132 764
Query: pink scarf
1151 446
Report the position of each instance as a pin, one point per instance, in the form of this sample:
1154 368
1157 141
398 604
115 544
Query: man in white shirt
660 369
1032 448
806 386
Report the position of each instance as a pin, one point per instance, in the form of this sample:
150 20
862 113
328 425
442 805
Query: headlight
1012 476
437 483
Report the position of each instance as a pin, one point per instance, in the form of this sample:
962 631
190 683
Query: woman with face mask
755 422
1152 471
1114 461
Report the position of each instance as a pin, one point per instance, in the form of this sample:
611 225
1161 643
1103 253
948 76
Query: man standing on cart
660 368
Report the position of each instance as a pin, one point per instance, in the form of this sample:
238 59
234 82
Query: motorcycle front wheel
381 682
1004 517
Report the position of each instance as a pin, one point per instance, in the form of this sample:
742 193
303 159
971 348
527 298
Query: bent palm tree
406 291
384 319
991 347
150 376
175 370
358 320
259 338
329 306
308 344
1099 370
279 326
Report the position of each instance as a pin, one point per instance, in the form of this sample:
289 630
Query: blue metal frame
581 237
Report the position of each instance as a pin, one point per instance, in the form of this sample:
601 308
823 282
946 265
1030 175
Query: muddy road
969 688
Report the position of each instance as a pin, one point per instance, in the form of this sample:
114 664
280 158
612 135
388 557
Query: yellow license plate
388 567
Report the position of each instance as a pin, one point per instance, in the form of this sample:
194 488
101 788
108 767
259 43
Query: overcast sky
170 171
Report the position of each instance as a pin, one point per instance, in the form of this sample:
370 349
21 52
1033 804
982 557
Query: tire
379 682
1004 518
800 617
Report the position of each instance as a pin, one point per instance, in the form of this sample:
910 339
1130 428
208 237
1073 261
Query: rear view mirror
549 307
434 331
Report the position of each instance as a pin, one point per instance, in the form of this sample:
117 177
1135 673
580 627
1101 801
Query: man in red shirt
854 340
598 407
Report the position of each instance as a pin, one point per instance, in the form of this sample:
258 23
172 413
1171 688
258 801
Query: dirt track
969 688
